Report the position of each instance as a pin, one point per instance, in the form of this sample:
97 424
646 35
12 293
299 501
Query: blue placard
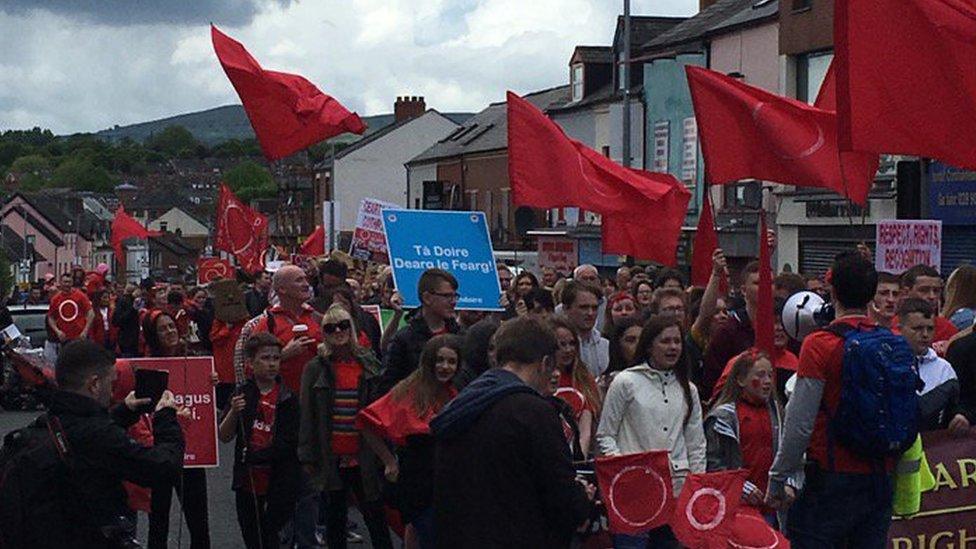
952 194
457 242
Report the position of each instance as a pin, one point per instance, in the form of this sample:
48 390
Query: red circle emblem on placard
751 532
637 495
713 508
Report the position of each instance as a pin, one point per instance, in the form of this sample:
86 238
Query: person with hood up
503 475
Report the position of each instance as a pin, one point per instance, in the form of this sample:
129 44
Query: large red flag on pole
125 226
288 113
749 133
906 77
642 211
314 245
241 231
705 244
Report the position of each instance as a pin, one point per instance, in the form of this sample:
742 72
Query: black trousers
337 513
252 511
193 500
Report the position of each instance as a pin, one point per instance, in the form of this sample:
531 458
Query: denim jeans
841 510
658 538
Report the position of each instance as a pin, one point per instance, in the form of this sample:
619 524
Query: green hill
217 125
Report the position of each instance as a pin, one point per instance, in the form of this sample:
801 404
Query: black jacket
126 319
255 301
503 476
962 356
403 355
281 456
103 456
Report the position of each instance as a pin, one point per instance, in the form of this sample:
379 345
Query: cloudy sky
86 65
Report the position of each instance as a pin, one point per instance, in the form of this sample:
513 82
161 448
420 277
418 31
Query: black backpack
34 466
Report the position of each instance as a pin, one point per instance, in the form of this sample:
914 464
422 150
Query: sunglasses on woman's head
340 326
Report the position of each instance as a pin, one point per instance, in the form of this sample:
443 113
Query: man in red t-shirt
70 314
924 282
293 322
846 499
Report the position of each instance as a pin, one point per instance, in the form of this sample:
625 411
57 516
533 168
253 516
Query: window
163 226
802 5
811 69
743 196
621 84
576 80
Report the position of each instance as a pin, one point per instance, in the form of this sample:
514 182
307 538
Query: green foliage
250 180
31 164
6 276
237 148
174 141
82 175
31 182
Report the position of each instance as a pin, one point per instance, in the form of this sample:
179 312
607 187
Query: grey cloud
140 12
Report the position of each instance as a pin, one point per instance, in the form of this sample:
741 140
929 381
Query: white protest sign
369 239
902 244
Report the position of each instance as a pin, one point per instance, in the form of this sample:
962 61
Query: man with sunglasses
437 289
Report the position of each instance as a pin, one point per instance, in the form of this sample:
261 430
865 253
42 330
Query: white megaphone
804 313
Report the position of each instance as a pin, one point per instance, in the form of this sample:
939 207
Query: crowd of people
472 425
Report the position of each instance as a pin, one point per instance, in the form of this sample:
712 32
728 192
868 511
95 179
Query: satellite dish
804 313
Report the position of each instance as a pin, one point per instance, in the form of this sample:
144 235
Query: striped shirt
345 436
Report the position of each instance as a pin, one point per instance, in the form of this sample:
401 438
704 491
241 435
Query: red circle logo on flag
794 140
638 495
710 509
68 310
240 228
750 531
212 269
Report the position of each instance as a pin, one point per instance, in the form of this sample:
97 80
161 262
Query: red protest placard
189 380
213 268
636 489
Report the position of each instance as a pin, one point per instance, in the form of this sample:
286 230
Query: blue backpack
878 412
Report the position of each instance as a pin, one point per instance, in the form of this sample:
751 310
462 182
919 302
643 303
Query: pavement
224 531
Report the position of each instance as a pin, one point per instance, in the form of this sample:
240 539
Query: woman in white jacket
653 406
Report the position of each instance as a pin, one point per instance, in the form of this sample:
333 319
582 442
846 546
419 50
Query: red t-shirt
822 357
291 369
224 337
755 441
572 394
262 431
345 435
70 312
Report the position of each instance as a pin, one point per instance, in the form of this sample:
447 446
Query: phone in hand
151 384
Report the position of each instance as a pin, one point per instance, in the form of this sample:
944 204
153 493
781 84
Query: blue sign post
457 242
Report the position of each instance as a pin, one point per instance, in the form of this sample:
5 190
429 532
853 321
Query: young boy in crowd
263 417
939 398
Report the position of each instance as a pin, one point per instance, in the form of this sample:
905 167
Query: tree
32 164
174 141
80 174
250 180
6 276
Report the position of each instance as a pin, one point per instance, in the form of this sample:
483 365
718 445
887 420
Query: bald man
587 274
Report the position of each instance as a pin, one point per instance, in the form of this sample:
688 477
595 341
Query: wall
377 170
666 98
416 176
806 30
754 52
175 219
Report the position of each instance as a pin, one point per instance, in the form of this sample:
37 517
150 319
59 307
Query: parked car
30 320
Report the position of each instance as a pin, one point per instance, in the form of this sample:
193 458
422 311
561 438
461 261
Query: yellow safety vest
912 477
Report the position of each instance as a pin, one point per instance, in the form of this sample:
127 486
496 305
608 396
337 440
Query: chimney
703 4
408 107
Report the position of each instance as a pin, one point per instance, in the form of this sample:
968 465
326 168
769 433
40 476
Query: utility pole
626 85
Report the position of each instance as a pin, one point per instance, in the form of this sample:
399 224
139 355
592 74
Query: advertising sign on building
457 242
559 253
952 194
369 239
689 150
903 244
662 145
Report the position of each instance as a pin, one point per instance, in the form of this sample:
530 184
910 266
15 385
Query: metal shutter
958 246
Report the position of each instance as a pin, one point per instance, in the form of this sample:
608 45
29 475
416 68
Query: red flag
314 245
654 234
394 418
827 96
706 242
547 169
749 133
636 490
241 231
125 226
210 269
906 78
750 529
704 513
763 323
288 113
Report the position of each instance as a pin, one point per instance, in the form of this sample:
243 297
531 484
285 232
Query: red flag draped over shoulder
288 113
314 245
642 211
125 226
636 490
706 242
241 231
749 133
705 510
906 77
